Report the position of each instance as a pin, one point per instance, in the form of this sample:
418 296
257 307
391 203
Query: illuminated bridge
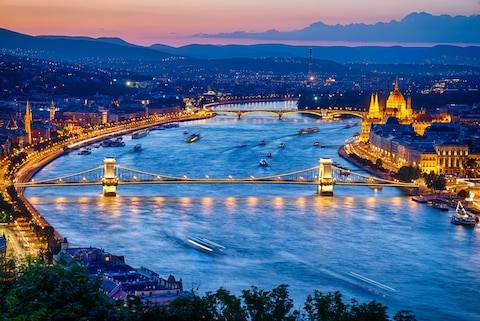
324 176
245 109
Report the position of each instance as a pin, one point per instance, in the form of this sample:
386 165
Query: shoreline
28 170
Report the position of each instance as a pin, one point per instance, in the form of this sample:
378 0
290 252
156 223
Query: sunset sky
151 21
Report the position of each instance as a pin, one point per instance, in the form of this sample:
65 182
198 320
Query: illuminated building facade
401 108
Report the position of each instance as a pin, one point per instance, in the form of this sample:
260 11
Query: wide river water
371 245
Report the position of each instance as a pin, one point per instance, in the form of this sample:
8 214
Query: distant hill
74 48
415 27
112 40
452 55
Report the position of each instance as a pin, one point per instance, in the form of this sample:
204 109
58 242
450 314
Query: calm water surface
273 234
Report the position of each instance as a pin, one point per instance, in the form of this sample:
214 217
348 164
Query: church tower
52 110
28 122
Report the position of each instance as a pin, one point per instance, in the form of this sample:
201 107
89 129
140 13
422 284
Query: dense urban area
419 126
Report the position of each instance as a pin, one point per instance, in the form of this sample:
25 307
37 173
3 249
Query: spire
396 87
52 111
28 122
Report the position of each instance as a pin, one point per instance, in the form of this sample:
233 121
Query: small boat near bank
140 133
462 217
281 145
113 143
84 151
439 206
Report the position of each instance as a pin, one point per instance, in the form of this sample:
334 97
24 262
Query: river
272 234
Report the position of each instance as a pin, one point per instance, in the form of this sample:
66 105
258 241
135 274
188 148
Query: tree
55 293
463 194
436 182
408 174
472 168
275 305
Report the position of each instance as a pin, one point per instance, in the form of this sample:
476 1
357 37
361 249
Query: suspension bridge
110 175
240 110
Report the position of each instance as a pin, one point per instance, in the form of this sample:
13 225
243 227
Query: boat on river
281 145
204 245
84 151
137 148
192 138
269 155
263 163
309 130
316 144
263 142
462 217
113 143
439 206
140 134
171 125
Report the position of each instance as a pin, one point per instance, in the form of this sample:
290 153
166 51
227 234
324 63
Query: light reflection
230 203
252 201
278 202
185 201
301 202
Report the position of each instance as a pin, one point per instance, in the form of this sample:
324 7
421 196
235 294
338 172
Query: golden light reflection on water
231 204
301 202
185 202
252 201
278 202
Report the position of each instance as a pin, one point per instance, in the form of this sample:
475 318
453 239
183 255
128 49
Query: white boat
281 145
462 217
84 152
316 144
140 134
263 163
204 245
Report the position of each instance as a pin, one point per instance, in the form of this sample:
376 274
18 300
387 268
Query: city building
443 149
118 279
401 108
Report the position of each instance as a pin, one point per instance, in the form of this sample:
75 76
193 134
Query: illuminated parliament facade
393 131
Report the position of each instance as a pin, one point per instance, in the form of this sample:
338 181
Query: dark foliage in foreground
38 292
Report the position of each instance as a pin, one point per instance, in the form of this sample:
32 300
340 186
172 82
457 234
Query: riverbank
25 168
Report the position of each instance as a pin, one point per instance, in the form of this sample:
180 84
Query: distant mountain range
415 27
74 48
110 51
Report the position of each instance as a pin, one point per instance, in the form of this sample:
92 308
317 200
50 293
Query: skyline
148 22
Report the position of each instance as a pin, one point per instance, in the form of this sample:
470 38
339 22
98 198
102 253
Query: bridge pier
325 177
110 179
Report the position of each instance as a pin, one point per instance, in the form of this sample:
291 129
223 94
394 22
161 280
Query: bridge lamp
134 178
158 178
301 178
279 178
207 177
230 176
185 176
84 178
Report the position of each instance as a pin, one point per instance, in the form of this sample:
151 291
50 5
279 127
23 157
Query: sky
155 21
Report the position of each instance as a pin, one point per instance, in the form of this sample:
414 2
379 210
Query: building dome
396 103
